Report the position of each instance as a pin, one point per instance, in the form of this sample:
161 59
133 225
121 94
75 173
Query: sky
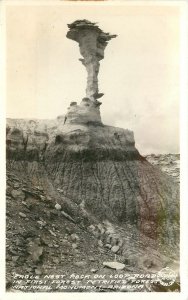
139 75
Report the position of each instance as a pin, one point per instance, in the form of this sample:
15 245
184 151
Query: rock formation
95 174
92 43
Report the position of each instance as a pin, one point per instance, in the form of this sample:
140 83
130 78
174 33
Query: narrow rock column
92 42
88 49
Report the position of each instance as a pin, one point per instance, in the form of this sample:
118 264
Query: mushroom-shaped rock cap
79 25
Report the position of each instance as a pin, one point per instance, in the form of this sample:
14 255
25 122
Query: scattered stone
114 240
56 261
120 242
31 194
68 216
8 258
132 261
58 206
15 258
48 213
28 234
80 263
8 191
35 250
44 240
94 270
16 185
19 242
74 246
101 250
110 231
115 249
13 252
126 261
74 237
41 223
92 259
38 272
91 228
114 265
96 234
29 270
101 229
26 209
65 252
17 194
22 215
54 226
42 198
64 241
148 263
39 188
68 230
100 243
52 233
108 246
108 240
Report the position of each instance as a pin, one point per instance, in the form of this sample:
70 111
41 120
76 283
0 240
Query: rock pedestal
92 43
87 112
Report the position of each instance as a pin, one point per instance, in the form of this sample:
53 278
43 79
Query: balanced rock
92 43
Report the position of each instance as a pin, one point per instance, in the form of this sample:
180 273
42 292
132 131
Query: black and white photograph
93 147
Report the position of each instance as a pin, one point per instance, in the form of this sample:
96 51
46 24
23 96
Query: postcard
96 164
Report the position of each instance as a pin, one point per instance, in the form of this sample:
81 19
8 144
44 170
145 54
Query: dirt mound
84 199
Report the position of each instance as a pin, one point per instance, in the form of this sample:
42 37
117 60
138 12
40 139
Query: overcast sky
139 74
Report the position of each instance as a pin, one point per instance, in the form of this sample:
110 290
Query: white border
184 150
2 148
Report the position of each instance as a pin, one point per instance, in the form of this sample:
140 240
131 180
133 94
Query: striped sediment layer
99 169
